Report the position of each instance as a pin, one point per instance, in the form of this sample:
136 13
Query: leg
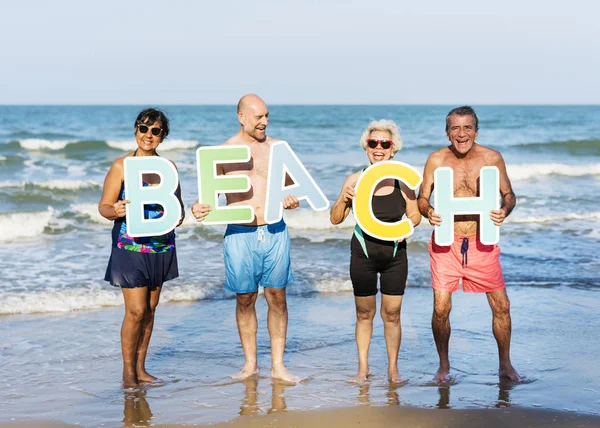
390 314
135 311
245 315
277 320
440 325
365 312
501 326
147 326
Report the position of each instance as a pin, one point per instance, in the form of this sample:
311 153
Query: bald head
253 116
248 101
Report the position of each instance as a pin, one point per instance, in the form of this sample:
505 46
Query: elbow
416 220
334 219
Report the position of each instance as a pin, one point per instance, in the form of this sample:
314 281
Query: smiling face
254 118
379 154
148 142
461 132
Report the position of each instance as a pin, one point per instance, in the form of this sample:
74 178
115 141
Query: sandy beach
67 367
382 417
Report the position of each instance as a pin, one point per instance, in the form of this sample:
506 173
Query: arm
425 207
109 207
509 200
341 208
412 208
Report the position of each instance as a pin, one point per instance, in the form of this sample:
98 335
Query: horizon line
305 104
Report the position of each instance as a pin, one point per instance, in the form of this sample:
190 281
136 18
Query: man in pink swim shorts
467 259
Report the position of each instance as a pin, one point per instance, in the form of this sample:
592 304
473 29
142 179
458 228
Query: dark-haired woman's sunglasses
385 144
155 131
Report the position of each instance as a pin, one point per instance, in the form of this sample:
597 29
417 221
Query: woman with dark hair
139 266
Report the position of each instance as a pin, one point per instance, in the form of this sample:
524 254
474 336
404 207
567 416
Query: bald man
256 253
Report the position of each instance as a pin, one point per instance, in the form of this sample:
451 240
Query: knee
390 316
502 308
365 315
441 312
279 306
136 314
246 302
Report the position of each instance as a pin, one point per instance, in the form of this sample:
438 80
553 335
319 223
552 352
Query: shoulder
436 159
491 156
353 177
231 142
119 163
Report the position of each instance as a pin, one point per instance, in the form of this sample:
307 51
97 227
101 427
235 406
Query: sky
300 52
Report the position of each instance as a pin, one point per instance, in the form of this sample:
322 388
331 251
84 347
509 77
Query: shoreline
381 416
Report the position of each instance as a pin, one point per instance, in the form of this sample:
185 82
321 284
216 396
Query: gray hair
383 125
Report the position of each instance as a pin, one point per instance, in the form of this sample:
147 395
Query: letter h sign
447 206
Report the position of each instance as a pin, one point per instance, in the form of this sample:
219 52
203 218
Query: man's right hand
434 218
200 211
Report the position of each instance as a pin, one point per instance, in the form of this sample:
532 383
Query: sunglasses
385 144
155 131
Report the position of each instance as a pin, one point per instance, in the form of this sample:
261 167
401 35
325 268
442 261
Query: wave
36 144
305 219
51 184
24 224
99 295
527 171
555 218
574 147
91 212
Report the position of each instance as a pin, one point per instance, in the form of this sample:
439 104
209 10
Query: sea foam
527 171
24 224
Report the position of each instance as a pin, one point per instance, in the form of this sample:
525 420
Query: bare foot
281 373
144 376
510 373
394 377
129 381
442 375
246 372
360 377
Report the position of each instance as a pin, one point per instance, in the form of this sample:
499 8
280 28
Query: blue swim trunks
257 255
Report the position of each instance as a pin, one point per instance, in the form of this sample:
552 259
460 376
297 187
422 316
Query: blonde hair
383 125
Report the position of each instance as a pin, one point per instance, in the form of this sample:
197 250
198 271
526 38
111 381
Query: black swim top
389 208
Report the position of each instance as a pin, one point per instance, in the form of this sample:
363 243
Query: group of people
259 254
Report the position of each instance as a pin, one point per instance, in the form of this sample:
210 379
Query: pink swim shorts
478 265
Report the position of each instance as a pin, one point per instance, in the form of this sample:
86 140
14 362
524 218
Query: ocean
54 247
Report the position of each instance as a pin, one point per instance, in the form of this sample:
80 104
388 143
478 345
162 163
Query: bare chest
466 180
257 166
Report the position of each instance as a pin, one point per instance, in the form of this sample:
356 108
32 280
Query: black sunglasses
155 131
385 144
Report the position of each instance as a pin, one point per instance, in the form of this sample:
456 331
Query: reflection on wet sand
250 403
277 399
444 400
504 388
393 398
136 410
363 392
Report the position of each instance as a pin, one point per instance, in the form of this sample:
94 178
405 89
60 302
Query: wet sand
376 417
46 360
